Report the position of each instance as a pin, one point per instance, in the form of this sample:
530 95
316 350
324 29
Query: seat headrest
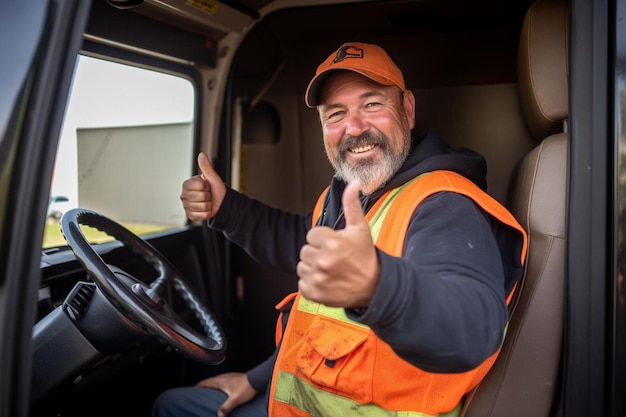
542 67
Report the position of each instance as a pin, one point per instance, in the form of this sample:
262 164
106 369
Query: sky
105 94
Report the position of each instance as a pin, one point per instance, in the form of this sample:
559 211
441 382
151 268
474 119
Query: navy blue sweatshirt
441 306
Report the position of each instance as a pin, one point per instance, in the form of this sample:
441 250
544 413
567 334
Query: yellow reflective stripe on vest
377 221
337 313
320 403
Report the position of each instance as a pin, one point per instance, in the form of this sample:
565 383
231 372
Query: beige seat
525 379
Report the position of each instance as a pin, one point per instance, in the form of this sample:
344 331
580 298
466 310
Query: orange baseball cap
368 60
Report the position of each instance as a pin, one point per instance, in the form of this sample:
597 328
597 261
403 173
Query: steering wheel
145 305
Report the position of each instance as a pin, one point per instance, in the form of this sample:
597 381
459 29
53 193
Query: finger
318 236
195 183
352 209
304 270
197 206
226 407
189 196
209 383
205 166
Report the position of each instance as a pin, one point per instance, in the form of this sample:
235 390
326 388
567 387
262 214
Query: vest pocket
339 357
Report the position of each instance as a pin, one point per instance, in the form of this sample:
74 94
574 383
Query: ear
409 107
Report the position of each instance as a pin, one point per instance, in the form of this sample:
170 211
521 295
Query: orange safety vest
331 366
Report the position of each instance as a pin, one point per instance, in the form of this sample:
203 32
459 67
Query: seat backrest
524 381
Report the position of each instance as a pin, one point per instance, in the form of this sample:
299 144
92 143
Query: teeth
361 149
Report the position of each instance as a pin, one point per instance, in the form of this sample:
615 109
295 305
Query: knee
188 402
167 403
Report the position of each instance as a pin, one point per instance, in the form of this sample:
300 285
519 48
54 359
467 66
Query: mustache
368 138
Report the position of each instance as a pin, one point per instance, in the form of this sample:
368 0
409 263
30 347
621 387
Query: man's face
366 128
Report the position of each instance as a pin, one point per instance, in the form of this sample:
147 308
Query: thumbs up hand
339 268
203 194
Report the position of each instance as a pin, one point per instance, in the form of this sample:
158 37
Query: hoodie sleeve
260 376
271 236
441 306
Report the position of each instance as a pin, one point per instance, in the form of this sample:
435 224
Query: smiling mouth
361 149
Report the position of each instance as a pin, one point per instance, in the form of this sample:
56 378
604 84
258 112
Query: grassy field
53 237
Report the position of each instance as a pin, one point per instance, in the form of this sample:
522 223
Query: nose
356 124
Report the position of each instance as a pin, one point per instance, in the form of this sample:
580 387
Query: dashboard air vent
78 300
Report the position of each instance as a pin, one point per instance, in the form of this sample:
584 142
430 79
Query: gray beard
372 175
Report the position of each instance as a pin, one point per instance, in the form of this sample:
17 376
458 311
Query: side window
125 148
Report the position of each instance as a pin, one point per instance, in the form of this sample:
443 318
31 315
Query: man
404 266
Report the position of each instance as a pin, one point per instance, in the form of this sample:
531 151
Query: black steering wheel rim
144 304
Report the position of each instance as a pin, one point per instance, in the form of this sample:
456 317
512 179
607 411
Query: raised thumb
206 168
352 209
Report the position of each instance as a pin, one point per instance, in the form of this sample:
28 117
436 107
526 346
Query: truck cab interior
504 78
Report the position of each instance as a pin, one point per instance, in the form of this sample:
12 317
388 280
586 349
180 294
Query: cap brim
312 95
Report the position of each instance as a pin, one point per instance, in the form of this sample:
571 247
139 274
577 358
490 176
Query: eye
334 116
372 105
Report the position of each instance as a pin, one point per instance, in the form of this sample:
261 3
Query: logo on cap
348 51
